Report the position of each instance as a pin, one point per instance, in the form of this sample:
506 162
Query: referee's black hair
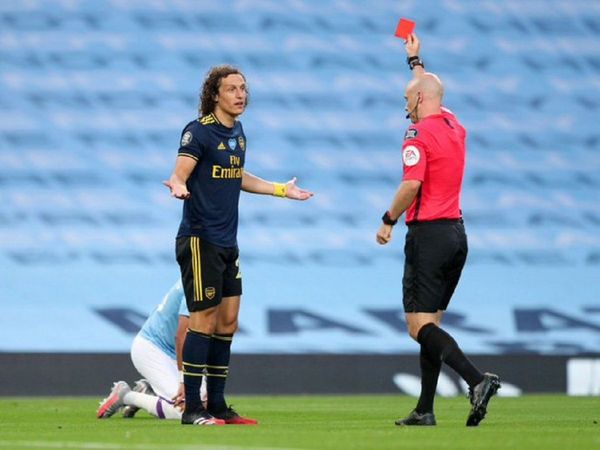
210 87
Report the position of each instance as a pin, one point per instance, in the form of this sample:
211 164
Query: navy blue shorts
208 272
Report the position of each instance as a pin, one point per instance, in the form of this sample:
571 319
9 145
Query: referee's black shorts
208 272
435 253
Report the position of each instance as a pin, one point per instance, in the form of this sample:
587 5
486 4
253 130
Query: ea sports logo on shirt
411 155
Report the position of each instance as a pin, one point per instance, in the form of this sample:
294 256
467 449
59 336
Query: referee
433 156
209 175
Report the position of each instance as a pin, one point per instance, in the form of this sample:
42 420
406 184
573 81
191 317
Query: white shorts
155 366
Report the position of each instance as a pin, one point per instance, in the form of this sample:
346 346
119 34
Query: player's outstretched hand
179 191
384 235
412 45
296 193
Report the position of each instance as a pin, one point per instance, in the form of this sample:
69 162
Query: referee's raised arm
412 47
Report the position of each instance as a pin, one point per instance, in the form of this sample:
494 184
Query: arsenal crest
210 292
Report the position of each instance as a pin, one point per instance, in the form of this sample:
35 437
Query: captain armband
279 190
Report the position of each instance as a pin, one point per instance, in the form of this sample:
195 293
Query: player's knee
233 326
203 321
228 326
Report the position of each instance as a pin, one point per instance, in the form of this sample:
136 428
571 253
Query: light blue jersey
160 328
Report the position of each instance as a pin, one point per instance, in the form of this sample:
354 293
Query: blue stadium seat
93 96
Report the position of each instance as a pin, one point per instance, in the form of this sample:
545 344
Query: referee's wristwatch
388 220
414 61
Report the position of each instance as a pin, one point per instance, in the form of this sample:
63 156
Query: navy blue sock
440 344
195 352
217 369
430 372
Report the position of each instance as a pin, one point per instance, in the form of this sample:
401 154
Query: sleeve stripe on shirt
188 155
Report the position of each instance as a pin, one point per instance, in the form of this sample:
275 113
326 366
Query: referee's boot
479 396
414 418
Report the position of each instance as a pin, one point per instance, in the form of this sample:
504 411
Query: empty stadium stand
93 97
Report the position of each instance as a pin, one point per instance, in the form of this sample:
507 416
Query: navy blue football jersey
211 212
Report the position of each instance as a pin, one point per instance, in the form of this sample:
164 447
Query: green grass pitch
309 422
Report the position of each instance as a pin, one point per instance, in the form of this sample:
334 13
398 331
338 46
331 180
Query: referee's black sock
195 352
217 369
430 372
440 344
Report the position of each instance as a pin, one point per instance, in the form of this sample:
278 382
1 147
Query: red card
404 28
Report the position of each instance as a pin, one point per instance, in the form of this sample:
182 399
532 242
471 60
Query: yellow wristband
279 189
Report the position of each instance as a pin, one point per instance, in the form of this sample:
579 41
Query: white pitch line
107 446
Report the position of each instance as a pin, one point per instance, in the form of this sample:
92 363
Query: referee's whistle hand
384 235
